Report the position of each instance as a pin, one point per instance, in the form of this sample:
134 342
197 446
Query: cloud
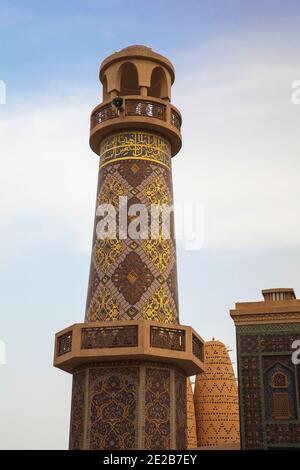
48 173
240 156
241 147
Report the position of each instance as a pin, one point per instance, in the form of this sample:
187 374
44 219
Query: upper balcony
146 112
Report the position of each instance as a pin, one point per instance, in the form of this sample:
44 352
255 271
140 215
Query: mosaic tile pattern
106 404
112 407
157 409
180 411
77 415
134 279
269 407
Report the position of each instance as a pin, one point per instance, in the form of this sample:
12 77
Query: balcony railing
197 348
103 114
109 337
167 338
137 107
64 343
145 108
129 340
175 119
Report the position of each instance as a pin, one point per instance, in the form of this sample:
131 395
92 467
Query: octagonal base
123 406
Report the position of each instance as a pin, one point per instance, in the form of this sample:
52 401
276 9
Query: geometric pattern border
254 329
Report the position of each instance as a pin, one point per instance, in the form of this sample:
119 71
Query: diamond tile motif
133 245
104 279
135 168
132 278
135 173
132 312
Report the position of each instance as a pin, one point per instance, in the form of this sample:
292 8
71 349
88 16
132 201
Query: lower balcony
129 340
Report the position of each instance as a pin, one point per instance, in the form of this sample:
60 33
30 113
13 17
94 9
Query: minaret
131 357
216 399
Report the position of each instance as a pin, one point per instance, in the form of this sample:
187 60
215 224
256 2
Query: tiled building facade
269 377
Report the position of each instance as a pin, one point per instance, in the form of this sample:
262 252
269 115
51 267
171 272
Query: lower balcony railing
109 337
129 340
167 338
64 343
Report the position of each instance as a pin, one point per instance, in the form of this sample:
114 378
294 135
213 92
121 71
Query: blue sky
46 44
235 62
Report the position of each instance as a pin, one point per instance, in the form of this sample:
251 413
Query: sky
235 63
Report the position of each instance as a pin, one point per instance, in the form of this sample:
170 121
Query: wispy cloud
241 146
48 174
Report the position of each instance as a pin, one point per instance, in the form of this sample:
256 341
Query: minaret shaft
134 278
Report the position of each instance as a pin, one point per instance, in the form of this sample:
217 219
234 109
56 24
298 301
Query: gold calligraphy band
138 145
